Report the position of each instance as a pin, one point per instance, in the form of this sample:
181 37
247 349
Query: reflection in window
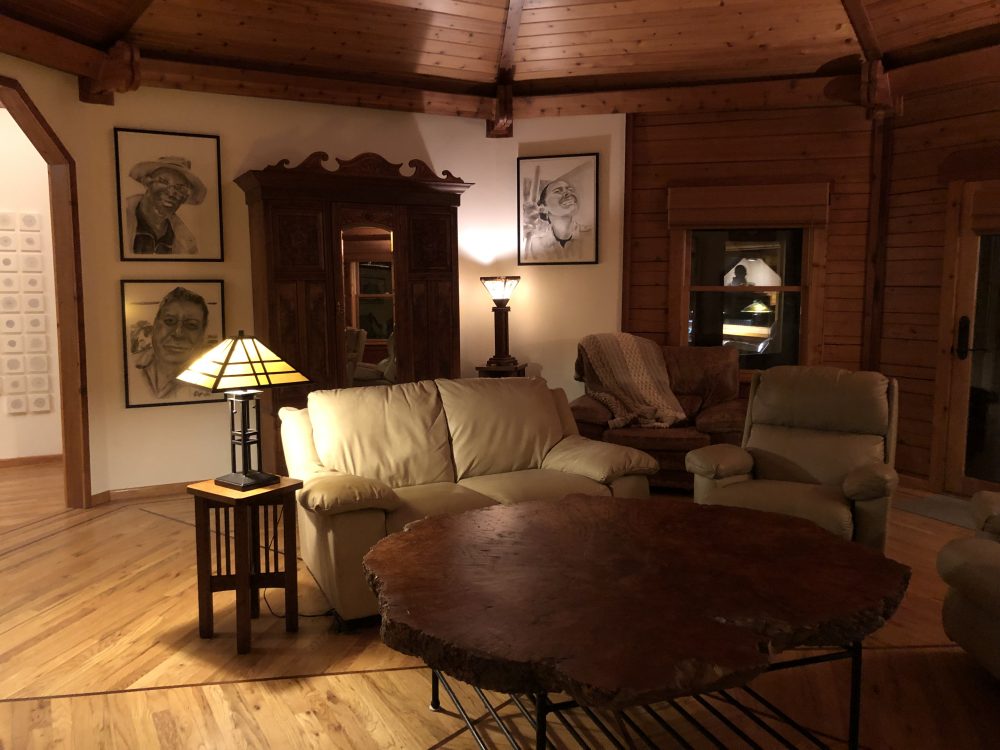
373 310
746 293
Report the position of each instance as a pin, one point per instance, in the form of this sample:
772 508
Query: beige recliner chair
819 443
971 568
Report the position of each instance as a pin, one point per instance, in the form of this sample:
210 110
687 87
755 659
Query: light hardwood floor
99 647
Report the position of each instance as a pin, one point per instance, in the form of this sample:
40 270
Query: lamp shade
757 306
238 364
500 288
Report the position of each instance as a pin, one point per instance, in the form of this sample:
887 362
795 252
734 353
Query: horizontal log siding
816 144
933 125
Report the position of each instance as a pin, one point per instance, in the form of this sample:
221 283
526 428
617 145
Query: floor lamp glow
241 368
500 289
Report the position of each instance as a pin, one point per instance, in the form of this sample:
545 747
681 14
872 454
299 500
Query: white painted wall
551 310
24 187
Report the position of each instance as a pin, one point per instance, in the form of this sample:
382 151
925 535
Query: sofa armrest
973 567
332 492
870 482
986 512
718 461
602 462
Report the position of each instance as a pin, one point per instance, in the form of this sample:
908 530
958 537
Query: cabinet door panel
432 246
298 239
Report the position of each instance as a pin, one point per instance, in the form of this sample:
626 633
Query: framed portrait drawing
557 209
169 199
166 325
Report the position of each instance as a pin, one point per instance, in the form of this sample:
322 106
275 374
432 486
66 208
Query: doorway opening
29 304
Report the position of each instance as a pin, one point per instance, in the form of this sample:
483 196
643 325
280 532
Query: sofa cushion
423 500
797 455
532 484
499 424
396 434
824 506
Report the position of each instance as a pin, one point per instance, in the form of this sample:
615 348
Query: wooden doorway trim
972 214
69 291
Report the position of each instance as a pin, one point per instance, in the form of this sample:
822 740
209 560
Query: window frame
803 206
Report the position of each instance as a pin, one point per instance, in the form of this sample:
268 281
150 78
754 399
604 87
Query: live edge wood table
244 522
620 603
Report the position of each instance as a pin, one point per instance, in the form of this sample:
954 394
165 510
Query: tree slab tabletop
620 601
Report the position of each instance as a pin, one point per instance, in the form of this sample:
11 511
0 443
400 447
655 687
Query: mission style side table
252 518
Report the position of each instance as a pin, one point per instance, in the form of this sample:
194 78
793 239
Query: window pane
374 277
763 327
375 316
746 257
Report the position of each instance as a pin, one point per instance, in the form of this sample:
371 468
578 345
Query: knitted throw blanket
626 373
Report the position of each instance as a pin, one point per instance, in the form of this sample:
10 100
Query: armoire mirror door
370 270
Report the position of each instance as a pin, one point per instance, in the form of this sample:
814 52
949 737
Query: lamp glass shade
756 307
238 364
500 288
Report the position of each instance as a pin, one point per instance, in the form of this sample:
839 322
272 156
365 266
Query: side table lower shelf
245 555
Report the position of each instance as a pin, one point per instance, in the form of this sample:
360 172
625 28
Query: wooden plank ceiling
468 47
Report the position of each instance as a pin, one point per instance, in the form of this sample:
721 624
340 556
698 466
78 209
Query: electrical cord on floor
272 544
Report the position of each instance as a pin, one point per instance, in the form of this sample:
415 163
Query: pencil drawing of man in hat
152 226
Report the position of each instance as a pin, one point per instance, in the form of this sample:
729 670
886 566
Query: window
746 293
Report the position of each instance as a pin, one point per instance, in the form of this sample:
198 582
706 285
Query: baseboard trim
6 463
138 494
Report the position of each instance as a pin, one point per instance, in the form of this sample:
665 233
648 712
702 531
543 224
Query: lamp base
249 480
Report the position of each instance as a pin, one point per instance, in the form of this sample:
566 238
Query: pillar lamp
500 289
241 368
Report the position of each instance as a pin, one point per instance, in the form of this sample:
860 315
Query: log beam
240 82
119 72
863 29
51 50
502 124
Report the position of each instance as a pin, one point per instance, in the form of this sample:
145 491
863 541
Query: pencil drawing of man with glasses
152 226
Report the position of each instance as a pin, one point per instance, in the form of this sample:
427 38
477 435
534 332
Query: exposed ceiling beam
125 18
955 44
783 94
223 80
48 49
944 73
511 29
502 126
863 29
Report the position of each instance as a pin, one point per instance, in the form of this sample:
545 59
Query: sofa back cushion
499 424
793 454
394 433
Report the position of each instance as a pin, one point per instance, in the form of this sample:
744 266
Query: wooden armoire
297 216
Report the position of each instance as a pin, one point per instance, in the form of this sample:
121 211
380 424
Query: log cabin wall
779 145
949 106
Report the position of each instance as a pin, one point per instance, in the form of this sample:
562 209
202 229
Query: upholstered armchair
971 568
819 443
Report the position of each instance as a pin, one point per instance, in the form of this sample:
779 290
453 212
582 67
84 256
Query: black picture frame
151 352
154 169
557 209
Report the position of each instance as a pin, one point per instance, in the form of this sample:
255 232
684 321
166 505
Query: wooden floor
99 647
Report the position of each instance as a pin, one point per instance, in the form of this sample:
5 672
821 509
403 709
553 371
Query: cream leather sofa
373 459
971 568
